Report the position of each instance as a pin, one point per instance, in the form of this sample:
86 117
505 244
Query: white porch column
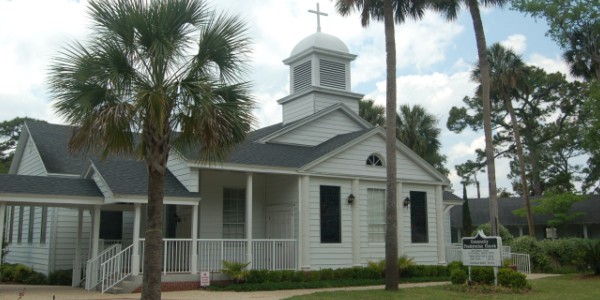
520 230
439 214
304 239
135 257
2 212
249 219
76 277
356 222
585 232
194 260
400 217
95 230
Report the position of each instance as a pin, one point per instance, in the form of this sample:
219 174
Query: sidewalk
12 292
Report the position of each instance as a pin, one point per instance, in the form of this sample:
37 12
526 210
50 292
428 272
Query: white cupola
319 77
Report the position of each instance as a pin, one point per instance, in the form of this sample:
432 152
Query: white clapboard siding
186 175
323 101
320 130
211 206
422 253
66 236
353 161
31 161
329 255
298 108
34 254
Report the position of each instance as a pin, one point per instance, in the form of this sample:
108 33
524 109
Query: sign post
204 279
482 250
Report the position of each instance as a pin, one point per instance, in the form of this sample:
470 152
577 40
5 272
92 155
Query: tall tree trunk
535 170
521 158
391 212
484 67
157 151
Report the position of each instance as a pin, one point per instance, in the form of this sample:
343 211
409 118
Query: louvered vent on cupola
302 76
332 74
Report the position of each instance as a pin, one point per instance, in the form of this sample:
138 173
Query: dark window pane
111 225
331 230
418 217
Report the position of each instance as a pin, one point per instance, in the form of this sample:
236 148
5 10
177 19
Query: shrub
377 266
482 275
256 276
312 276
506 236
327 274
60 277
456 265
561 252
235 270
458 276
512 279
16 273
592 255
426 271
526 244
404 262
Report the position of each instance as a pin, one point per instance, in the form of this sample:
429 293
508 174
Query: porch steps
126 286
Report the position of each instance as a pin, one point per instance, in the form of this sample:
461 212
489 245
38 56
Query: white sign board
204 279
482 250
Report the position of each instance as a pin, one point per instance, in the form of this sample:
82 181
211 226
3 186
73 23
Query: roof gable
352 157
313 130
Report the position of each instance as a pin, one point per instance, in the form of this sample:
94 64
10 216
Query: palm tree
151 68
450 8
418 130
508 74
371 112
388 11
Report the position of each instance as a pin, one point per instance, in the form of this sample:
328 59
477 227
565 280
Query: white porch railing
454 253
117 268
92 270
522 262
274 255
266 254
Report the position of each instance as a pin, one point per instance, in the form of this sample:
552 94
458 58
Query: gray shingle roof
251 152
42 185
51 141
480 212
451 196
130 177
124 175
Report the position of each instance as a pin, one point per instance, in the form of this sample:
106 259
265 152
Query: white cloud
551 65
437 92
515 42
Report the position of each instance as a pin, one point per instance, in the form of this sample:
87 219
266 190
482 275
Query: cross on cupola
319 14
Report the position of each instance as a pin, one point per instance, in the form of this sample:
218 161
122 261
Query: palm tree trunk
521 158
391 236
157 151
484 67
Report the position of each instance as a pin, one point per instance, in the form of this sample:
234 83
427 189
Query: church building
306 193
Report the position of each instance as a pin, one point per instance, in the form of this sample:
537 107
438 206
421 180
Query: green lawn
562 287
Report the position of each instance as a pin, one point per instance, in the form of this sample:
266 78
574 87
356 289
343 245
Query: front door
280 222
281 253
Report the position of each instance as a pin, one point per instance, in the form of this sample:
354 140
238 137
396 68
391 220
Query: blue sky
434 57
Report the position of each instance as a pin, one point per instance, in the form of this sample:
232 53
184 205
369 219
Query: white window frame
376 215
234 213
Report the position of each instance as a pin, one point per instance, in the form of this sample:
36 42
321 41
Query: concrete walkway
27 292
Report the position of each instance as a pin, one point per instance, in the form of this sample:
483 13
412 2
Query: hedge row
17 273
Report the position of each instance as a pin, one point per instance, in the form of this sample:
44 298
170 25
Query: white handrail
92 270
116 269
280 254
